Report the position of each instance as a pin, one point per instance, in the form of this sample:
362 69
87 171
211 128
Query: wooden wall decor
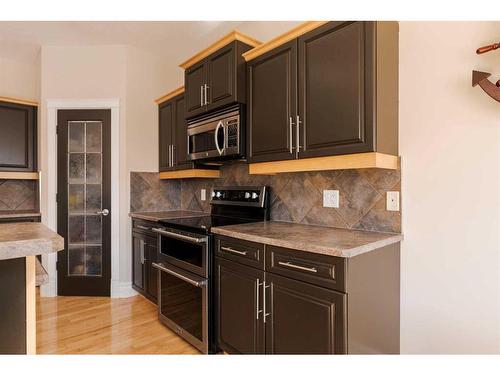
481 78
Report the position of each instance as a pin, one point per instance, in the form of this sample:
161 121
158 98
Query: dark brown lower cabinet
144 275
296 302
299 318
303 318
239 317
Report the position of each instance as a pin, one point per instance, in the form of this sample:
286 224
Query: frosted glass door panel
84 198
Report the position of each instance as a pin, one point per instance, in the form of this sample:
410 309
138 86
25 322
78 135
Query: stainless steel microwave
218 135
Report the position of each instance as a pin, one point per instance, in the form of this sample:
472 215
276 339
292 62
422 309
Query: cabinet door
240 327
195 77
166 123
138 245
304 319
336 80
18 137
152 273
272 80
221 77
180 144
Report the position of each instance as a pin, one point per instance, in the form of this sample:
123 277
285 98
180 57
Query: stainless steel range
185 298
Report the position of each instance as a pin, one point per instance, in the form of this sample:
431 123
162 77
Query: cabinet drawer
245 252
313 268
144 226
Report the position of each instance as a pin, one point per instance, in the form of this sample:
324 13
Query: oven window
182 303
202 142
185 251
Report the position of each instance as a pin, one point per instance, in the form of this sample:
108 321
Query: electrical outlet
331 198
203 194
392 201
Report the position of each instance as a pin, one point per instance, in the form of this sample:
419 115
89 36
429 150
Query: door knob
104 212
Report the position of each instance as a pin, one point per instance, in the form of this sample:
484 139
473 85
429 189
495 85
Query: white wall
20 79
450 148
136 78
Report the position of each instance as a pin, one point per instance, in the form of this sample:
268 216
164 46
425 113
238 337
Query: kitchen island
19 245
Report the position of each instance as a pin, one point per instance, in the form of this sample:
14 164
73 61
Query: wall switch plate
203 194
392 201
331 198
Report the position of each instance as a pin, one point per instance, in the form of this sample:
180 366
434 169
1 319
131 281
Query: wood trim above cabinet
169 95
19 175
282 39
190 173
231 37
351 161
29 102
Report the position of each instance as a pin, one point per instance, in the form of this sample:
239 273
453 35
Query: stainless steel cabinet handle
182 277
206 93
143 227
173 157
291 265
231 250
201 96
264 287
180 236
298 147
291 136
258 311
103 212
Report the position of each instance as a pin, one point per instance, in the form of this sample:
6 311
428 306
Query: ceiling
180 39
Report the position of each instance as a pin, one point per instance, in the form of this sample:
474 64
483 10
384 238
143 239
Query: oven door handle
179 236
176 274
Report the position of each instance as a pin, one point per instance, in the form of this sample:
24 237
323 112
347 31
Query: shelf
352 161
190 173
19 175
19 101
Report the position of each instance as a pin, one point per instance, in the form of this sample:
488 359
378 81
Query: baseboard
49 289
122 289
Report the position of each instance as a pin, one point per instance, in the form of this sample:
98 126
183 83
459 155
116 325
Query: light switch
331 198
203 194
392 201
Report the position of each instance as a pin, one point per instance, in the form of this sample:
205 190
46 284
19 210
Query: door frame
49 209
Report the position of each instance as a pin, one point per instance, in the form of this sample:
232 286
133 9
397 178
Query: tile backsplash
18 195
295 197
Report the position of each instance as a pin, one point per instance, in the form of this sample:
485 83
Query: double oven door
183 298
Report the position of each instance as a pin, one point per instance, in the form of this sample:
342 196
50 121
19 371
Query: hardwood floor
101 325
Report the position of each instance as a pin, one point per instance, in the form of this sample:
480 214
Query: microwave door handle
219 149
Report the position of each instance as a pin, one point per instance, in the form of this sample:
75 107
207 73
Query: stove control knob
213 194
255 195
218 194
247 195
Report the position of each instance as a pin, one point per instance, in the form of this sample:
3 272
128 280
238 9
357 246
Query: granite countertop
311 238
18 240
163 215
14 214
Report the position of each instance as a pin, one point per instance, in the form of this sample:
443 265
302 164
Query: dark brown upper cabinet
272 84
166 131
172 134
330 91
218 79
18 140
